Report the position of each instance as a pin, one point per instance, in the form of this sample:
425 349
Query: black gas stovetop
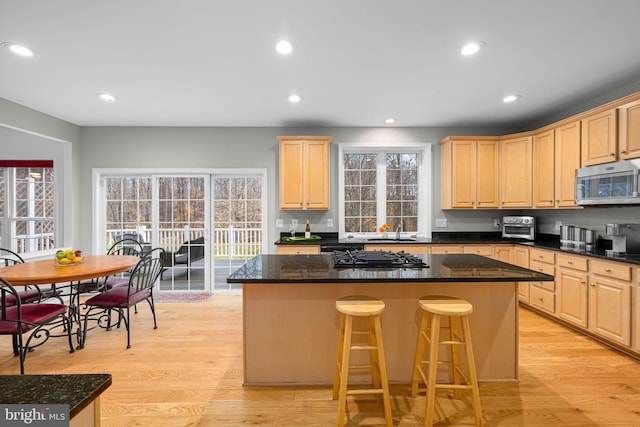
373 259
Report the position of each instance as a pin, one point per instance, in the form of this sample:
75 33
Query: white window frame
425 172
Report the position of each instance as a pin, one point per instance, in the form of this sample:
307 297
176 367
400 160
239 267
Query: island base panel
291 330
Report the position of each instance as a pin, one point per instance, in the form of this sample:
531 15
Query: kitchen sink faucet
398 231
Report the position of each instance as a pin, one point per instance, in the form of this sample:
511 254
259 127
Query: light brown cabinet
521 259
599 138
503 253
470 173
446 249
298 250
573 290
516 172
544 189
629 127
304 172
542 294
610 301
567 161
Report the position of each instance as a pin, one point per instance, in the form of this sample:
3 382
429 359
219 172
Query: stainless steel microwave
608 184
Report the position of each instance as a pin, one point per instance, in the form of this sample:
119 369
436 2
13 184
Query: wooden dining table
47 272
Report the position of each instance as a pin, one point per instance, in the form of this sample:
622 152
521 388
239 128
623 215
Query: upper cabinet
567 161
470 172
304 172
516 172
599 138
544 189
629 125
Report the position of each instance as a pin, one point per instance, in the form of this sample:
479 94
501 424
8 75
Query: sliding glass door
206 223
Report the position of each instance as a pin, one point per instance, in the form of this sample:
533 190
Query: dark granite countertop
543 241
75 390
320 269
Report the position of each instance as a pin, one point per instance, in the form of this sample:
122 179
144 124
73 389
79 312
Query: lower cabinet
299 250
446 249
542 295
573 296
521 259
610 301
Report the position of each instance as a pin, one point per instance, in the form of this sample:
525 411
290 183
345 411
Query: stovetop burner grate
372 259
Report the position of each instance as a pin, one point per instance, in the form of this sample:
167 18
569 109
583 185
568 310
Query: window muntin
27 208
381 184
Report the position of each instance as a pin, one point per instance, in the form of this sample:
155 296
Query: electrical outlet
329 222
279 223
496 223
441 223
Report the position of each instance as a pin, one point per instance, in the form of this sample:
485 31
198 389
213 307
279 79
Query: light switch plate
441 223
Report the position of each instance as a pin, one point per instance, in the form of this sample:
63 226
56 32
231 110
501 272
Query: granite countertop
320 269
75 390
543 241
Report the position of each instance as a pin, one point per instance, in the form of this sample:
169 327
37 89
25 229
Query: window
27 205
385 185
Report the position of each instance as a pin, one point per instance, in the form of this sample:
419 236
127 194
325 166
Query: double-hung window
27 205
385 185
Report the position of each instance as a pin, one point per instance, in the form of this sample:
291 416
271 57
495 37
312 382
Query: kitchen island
291 324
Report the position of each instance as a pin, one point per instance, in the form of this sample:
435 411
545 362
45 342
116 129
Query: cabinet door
572 296
463 177
543 176
516 168
629 142
482 250
316 174
503 253
610 314
567 160
521 259
298 250
599 134
487 174
291 175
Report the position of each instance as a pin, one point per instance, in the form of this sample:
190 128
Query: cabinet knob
608 270
570 262
582 281
592 284
623 152
540 298
612 154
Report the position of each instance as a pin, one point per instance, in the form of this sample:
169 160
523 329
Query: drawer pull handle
608 270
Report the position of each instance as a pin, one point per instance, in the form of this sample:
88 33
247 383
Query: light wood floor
188 372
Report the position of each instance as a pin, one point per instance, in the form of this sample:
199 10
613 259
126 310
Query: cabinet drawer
543 299
484 250
543 268
446 249
299 250
611 269
550 286
542 256
570 261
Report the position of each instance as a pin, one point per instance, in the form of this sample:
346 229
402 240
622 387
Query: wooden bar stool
456 310
351 307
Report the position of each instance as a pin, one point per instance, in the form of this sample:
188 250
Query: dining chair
120 299
32 293
37 319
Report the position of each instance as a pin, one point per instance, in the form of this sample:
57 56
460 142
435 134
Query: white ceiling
357 62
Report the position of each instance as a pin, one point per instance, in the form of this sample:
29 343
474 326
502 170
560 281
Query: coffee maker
625 239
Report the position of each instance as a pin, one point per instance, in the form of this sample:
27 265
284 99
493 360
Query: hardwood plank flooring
188 372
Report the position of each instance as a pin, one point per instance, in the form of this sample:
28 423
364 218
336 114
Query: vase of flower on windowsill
383 229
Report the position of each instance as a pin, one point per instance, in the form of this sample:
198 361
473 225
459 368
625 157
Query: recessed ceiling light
294 99
284 47
390 120
510 98
106 97
19 49
472 48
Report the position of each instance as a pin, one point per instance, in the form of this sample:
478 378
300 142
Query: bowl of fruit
69 257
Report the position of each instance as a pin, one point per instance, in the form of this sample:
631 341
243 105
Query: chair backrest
8 257
126 247
195 248
9 298
145 274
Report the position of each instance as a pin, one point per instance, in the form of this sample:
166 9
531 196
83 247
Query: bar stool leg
344 371
382 366
434 336
475 392
417 364
373 353
336 376
455 356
